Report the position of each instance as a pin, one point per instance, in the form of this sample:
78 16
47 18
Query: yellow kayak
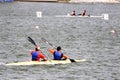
48 62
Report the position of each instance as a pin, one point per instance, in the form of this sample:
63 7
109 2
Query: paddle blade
72 60
32 41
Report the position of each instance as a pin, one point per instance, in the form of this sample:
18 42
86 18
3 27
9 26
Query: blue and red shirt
37 55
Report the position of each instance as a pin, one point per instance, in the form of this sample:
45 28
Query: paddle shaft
44 40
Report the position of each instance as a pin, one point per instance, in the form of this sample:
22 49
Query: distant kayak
103 16
48 62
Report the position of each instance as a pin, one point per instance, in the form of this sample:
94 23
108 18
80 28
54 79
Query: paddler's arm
45 59
65 56
51 50
31 52
42 56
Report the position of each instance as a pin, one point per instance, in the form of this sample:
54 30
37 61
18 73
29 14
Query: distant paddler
73 13
83 13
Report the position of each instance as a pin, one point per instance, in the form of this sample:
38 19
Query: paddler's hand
51 50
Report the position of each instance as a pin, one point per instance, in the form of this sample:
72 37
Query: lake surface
93 39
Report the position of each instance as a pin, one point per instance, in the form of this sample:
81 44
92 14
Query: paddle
32 41
44 40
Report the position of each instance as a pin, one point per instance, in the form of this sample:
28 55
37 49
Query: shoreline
71 1
94 1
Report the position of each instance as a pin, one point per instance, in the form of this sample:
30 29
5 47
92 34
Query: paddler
73 13
37 55
84 13
58 55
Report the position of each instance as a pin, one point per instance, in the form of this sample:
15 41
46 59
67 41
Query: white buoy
112 31
105 16
39 14
37 27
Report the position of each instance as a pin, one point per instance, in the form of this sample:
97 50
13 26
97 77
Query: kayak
48 62
103 16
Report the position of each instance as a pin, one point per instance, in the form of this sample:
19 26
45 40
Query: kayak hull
48 62
103 16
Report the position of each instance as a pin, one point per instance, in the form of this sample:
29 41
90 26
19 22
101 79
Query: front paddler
58 55
73 13
37 55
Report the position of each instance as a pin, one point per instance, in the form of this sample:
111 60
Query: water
80 38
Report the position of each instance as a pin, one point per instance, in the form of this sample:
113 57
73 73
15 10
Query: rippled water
81 38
